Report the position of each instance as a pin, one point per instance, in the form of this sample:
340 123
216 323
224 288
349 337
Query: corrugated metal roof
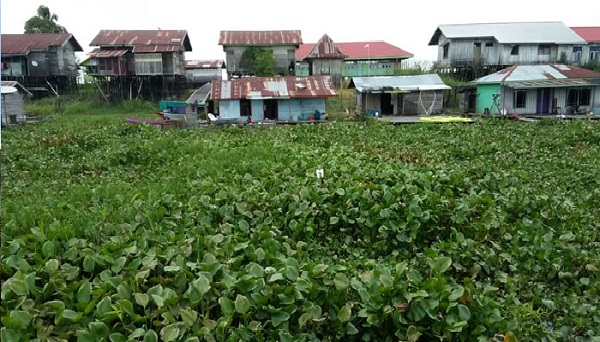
326 49
282 37
589 34
399 83
543 72
511 33
17 85
22 44
551 84
360 50
106 53
145 40
273 87
204 64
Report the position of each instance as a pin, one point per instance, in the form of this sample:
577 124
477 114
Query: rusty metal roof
326 49
22 44
589 34
543 72
107 53
145 40
282 37
551 84
204 64
273 88
360 50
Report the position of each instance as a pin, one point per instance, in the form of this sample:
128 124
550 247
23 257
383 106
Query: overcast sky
405 24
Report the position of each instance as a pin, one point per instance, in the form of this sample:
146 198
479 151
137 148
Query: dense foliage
114 232
44 22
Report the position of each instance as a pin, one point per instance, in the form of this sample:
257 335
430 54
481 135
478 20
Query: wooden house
589 53
282 43
538 89
282 99
40 60
400 95
203 71
481 49
13 108
139 63
373 58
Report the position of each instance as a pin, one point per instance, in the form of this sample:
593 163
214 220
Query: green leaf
278 317
567 237
202 284
70 315
463 312
351 329
172 268
226 306
83 294
243 225
117 337
169 333
158 300
318 270
189 317
23 317
242 304
48 249
275 277
340 281
412 334
334 220
150 336
99 329
104 307
344 313
85 336
549 304
442 264
141 299
51 266
89 263
456 293
291 272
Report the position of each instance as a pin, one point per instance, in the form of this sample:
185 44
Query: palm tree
44 22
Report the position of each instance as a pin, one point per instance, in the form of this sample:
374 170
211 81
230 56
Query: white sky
405 24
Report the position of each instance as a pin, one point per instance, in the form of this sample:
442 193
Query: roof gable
145 40
273 87
511 33
360 50
524 73
22 44
326 49
282 37
589 34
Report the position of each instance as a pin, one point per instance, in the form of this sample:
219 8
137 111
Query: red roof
284 37
204 64
273 87
360 50
22 44
145 40
589 34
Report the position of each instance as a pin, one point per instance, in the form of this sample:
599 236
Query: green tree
257 61
44 22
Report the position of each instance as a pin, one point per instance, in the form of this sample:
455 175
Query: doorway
543 101
270 110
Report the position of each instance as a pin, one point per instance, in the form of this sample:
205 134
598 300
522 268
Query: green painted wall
485 98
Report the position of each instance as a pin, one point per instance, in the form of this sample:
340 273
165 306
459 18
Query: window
105 64
489 44
514 51
445 50
520 99
245 107
544 49
576 57
594 53
578 97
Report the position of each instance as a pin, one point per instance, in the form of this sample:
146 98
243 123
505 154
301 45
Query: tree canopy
259 62
44 22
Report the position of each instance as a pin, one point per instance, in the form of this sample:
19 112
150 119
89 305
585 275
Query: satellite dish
8 90
34 63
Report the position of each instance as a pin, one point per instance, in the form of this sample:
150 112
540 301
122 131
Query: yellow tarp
445 119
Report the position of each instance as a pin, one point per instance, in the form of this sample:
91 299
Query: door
543 101
477 54
270 109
